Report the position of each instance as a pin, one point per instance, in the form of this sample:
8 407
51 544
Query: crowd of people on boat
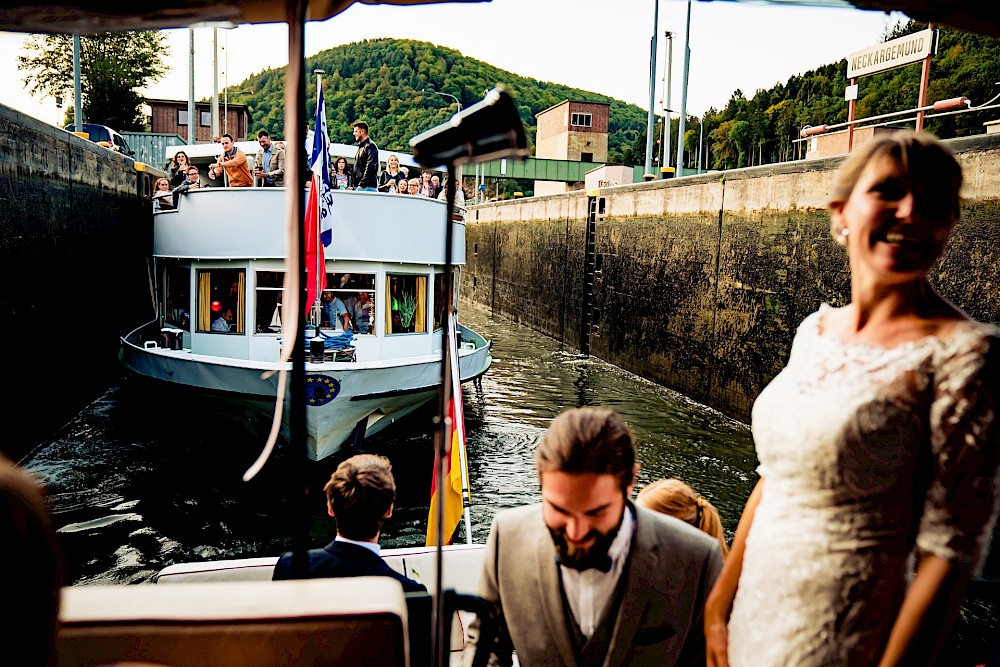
878 489
232 169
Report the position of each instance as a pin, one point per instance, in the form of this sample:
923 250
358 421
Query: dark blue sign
320 390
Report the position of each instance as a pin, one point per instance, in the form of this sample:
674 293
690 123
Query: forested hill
382 82
762 129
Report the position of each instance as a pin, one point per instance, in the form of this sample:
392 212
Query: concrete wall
74 233
703 280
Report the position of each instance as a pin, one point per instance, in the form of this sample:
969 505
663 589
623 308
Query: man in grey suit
586 577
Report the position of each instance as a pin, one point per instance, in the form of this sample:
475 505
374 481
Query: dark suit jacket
343 559
672 568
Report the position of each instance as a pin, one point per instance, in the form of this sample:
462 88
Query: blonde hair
675 498
161 180
922 159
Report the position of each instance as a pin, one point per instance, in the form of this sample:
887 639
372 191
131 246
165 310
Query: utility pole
191 119
701 137
215 82
667 70
77 86
650 118
684 94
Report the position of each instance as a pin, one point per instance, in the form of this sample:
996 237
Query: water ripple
135 486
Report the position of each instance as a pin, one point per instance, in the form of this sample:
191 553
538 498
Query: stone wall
74 232
701 282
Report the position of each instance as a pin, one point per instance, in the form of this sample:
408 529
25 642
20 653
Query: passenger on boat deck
413 186
425 188
586 577
359 497
163 196
269 163
335 313
341 178
403 186
436 182
178 168
224 321
387 179
366 159
31 571
191 182
363 313
234 162
674 497
459 194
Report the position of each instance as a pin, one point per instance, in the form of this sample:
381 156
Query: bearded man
586 577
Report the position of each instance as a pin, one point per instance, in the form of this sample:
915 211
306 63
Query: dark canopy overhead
981 16
68 16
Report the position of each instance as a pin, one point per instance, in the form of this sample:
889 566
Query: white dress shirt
590 591
371 546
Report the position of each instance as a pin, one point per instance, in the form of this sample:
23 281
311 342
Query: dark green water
145 477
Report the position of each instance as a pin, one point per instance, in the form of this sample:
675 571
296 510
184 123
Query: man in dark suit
586 577
359 496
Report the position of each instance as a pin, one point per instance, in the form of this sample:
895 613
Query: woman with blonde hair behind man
675 498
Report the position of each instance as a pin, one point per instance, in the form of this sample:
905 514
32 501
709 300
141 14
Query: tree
112 67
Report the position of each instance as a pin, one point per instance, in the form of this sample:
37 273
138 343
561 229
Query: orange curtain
204 301
241 303
420 326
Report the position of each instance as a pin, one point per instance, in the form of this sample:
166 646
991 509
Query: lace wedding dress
865 452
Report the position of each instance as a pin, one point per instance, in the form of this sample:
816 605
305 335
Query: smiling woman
877 443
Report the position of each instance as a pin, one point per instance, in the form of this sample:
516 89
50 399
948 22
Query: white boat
225 248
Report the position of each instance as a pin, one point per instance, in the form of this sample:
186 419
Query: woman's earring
842 236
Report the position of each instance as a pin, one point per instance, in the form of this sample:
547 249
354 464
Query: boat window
221 300
356 292
438 300
406 296
268 301
177 308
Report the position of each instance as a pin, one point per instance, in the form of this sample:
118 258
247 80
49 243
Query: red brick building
172 116
571 130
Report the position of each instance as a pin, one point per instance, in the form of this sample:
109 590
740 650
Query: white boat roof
211 150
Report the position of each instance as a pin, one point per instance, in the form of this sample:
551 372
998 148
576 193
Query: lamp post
650 117
451 176
438 92
684 94
77 99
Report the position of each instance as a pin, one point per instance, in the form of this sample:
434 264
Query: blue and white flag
319 162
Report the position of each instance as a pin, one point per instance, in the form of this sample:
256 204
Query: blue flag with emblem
319 162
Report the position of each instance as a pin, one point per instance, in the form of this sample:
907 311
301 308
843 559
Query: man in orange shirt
234 162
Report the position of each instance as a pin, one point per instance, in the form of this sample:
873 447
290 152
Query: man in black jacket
366 160
359 496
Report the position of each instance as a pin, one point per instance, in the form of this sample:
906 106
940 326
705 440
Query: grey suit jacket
673 567
277 167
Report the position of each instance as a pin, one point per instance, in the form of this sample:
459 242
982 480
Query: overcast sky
594 45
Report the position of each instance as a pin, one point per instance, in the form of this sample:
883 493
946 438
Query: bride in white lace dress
878 444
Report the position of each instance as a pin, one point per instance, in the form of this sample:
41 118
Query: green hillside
382 81
762 129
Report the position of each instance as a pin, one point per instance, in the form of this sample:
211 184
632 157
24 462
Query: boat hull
344 399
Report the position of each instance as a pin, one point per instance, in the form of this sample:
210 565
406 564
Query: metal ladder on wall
592 268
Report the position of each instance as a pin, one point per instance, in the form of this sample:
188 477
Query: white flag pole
317 315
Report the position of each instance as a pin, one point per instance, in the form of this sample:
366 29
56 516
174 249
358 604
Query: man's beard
582 558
